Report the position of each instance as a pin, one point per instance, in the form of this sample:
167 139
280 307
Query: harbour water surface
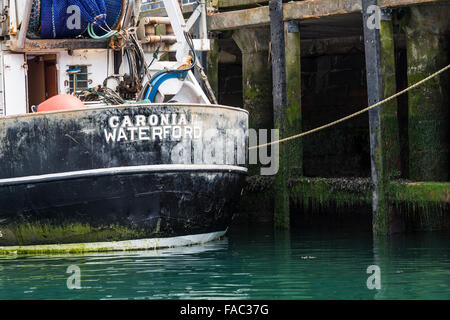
260 265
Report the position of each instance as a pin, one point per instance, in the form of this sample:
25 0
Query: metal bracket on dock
292 27
386 14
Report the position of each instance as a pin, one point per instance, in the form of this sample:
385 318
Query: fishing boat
104 146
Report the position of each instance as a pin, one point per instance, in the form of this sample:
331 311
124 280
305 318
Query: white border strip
120 171
127 106
127 245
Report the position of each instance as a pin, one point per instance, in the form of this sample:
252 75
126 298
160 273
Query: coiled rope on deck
353 114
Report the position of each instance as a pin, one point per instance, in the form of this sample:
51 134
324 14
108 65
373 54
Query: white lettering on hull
141 128
193 142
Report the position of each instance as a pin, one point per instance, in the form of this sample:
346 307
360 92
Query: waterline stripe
119 171
127 245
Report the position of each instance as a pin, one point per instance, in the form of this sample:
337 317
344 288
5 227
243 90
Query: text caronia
145 128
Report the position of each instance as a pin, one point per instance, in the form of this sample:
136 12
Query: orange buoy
61 102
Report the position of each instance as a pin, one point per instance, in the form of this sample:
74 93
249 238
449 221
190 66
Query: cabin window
82 78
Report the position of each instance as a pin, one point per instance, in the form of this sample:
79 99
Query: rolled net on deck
71 18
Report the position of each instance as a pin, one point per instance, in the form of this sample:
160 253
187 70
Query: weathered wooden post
281 204
384 136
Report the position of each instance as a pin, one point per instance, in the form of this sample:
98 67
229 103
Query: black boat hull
120 207
81 192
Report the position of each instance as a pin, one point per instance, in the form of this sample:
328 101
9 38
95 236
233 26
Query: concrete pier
391 166
256 75
293 151
427 30
212 66
257 99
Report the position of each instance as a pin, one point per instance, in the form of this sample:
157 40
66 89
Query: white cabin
36 70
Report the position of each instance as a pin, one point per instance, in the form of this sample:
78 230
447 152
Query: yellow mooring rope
354 114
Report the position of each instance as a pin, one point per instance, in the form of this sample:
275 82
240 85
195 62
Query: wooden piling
379 51
281 204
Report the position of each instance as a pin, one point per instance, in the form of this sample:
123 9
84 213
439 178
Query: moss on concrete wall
390 136
293 151
411 205
212 66
257 99
318 193
427 50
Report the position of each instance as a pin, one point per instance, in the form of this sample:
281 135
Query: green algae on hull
111 246
42 233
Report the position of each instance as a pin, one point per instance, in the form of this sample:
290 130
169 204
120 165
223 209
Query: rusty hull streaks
59 44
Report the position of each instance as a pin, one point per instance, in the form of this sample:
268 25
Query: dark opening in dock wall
230 73
334 86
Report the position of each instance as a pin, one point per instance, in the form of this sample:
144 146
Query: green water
245 265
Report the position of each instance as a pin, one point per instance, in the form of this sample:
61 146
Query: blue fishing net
113 15
57 18
92 11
